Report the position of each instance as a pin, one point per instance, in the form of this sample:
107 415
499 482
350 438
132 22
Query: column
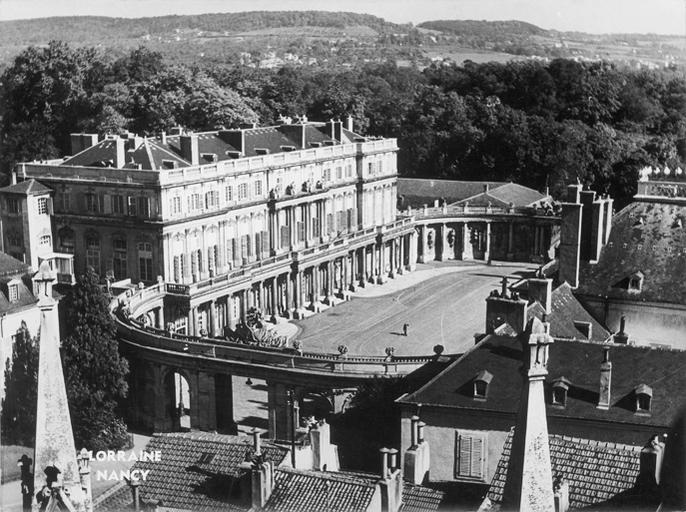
346 274
444 254
261 295
364 269
487 252
372 271
382 263
160 317
423 253
224 404
510 241
185 278
289 295
413 251
392 255
230 320
274 306
213 318
329 283
193 324
534 252
244 305
467 251
299 302
353 270
402 252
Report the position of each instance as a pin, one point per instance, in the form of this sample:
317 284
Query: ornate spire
529 483
56 468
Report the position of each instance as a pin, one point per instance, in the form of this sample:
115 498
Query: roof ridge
339 476
600 444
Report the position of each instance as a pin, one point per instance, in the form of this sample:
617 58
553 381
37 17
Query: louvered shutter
464 463
477 457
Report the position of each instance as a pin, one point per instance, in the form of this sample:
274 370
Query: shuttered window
470 455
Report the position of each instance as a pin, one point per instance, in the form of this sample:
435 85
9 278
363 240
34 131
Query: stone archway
178 404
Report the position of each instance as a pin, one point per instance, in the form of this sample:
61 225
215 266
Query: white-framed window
348 171
339 173
242 191
13 292
42 205
93 203
470 455
228 193
65 240
211 199
45 240
258 188
194 202
93 253
176 205
326 175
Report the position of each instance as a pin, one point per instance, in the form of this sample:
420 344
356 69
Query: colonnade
304 287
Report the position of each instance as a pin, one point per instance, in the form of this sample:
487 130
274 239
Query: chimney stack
120 152
651 463
349 123
262 481
542 291
81 141
256 441
391 482
417 458
135 489
605 380
505 307
621 337
189 148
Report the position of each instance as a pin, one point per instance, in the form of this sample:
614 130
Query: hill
484 28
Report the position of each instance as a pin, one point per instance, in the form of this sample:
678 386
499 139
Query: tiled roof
296 491
506 194
565 310
417 192
596 472
12 267
663 370
644 238
417 498
27 188
196 469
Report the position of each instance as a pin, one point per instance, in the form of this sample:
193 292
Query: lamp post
291 410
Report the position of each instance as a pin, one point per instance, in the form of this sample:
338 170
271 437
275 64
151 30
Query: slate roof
417 498
597 472
506 194
185 479
296 491
565 310
663 370
148 153
27 188
417 192
644 238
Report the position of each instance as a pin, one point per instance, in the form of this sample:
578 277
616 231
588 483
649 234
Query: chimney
570 243
120 152
529 479
561 489
651 463
621 337
135 489
391 483
83 460
417 458
542 291
256 441
189 148
573 192
262 482
503 308
81 141
324 456
349 123
163 138
605 380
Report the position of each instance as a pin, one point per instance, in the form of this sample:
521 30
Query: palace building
278 218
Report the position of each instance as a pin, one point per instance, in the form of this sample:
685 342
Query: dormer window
481 382
635 282
560 389
168 164
209 157
644 397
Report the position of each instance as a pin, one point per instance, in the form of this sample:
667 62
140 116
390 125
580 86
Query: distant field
332 32
460 56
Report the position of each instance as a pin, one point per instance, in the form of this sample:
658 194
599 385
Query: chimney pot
384 462
392 459
605 393
414 420
420 431
256 441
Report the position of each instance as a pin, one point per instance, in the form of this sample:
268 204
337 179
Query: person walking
405 327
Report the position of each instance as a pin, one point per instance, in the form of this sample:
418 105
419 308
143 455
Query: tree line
542 124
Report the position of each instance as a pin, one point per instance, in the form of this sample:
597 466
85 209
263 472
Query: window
300 227
13 292
65 201
144 207
636 282
12 205
131 206
329 223
65 239
326 176
258 188
339 173
644 395
93 253
315 228
194 202
93 203
42 205
177 269
242 191
145 261
470 455
176 205
119 258
229 193
14 239
118 205
211 199
481 382
370 169
211 259
348 171
45 240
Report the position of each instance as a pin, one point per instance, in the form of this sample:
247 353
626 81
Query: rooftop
27 188
417 192
577 361
597 472
647 241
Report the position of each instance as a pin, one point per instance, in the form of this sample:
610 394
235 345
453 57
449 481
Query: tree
21 388
95 372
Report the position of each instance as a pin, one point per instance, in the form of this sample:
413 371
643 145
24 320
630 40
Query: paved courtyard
444 303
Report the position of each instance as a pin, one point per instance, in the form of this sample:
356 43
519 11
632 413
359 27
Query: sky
595 16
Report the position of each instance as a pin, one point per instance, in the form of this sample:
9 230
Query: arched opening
178 401
315 406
